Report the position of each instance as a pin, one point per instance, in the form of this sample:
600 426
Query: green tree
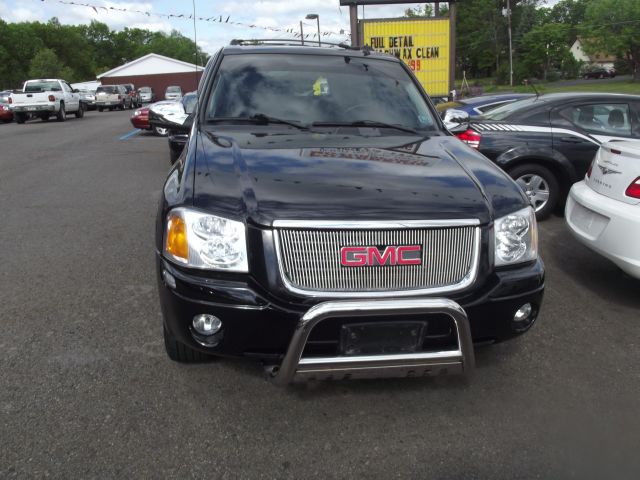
544 48
613 27
45 65
425 11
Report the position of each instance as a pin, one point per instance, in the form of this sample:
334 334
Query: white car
603 210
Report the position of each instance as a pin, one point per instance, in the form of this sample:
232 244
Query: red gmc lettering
362 256
359 256
409 261
389 253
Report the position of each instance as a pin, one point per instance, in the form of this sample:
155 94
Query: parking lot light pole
315 16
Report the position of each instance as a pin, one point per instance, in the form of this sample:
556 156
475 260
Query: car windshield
505 111
317 89
173 90
42 86
106 89
145 90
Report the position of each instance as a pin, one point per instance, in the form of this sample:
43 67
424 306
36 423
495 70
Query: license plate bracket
381 338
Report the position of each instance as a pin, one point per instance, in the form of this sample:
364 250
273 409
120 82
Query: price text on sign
422 44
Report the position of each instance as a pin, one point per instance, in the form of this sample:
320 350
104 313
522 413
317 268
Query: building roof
151 64
598 57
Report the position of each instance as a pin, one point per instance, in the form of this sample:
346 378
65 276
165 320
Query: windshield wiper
260 119
367 123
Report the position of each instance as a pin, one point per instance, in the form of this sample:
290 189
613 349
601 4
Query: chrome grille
310 259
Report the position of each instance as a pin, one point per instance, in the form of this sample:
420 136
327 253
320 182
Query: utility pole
510 46
301 33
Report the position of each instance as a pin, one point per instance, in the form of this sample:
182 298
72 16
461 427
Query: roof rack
366 49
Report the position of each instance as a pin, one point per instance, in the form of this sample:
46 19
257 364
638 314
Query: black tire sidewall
62 113
550 179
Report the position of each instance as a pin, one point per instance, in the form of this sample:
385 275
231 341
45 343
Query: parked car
603 210
140 118
482 104
168 108
147 95
6 115
133 94
599 73
178 140
45 97
88 98
173 93
547 143
334 232
4 96
112 97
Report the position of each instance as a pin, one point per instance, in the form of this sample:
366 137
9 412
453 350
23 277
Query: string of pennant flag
220 19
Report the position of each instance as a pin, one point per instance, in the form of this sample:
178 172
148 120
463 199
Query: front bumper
605 225
258 325
141 122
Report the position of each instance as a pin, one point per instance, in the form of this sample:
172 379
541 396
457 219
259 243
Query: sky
283 14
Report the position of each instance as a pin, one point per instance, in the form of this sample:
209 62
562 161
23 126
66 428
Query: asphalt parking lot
86 390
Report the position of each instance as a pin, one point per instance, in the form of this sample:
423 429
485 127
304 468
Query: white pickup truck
45 97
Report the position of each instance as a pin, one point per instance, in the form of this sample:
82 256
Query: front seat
616 119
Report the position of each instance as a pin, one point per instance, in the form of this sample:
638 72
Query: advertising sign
423 44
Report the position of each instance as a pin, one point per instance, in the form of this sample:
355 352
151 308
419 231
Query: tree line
541 36
80 52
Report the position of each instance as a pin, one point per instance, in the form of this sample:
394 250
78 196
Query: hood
305 176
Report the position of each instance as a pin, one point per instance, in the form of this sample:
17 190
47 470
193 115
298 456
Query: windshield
38 86
505 111
174 89
106 89
145 89
310 89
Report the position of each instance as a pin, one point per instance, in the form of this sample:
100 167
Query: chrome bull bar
296 368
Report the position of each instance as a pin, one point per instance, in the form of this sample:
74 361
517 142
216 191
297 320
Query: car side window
66 87
601 118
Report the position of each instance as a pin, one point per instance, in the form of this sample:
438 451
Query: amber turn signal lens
177 238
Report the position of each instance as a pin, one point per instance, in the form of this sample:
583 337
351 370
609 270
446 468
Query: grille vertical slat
310 258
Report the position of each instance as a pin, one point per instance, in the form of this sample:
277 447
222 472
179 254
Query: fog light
206 324
523 314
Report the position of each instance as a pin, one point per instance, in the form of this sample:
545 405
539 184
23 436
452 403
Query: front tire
20 118
80 112
179 352
61 116
540 186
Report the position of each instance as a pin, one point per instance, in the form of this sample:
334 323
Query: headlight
516 238
137 113
205 241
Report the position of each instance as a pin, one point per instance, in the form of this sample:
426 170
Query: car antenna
532 85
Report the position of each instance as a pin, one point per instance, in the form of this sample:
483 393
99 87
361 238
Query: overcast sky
265 13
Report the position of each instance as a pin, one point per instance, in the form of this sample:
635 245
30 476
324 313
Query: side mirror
455 120
177 122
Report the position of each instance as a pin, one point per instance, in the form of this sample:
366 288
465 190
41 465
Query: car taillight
10 100
471 138
633 190
52 98
119 97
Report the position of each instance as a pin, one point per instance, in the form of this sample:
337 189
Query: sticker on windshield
321 87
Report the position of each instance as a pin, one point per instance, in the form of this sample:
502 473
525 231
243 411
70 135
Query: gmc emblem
372 257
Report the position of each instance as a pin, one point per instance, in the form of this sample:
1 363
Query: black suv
323 221
547 143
